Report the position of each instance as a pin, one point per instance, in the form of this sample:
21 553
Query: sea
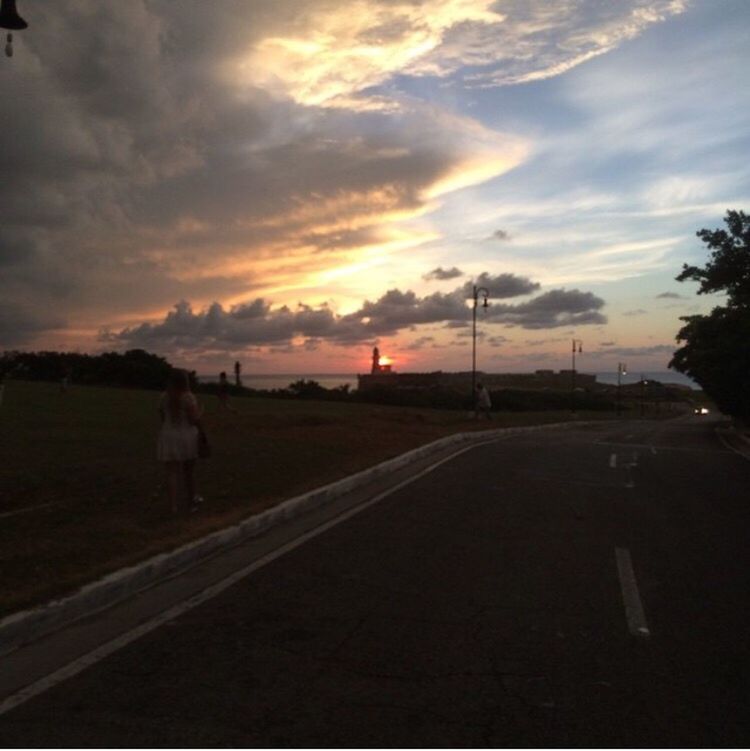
332 380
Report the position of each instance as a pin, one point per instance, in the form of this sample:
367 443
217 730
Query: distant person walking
223 393
483 401
178 443
65 380
237 371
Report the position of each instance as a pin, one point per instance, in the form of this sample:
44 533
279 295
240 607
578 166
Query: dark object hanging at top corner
9 18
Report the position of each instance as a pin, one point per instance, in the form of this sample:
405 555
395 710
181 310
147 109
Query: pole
573 380
573 374
476 291
621 369
474 352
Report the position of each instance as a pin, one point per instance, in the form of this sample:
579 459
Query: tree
716 353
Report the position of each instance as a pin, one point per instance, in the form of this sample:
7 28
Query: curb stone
28 625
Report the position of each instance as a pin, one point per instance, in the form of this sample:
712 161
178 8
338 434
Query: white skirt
177 444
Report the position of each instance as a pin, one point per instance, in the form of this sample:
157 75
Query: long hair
177 385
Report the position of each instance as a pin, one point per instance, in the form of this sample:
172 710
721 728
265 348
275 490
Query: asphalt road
574 588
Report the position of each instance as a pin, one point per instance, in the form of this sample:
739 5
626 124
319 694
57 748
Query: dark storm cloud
396 310
496 341
139 171
421 343
551 310
258 324
502 285
19 324
251 324
440 274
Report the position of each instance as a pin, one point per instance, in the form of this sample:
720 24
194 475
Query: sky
289 183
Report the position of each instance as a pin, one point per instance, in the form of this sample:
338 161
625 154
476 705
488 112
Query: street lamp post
475 295
579 344
622 369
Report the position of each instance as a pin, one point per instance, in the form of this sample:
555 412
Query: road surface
586 587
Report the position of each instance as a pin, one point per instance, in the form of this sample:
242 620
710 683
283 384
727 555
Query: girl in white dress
177 446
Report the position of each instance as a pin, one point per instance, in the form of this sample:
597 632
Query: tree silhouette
716 353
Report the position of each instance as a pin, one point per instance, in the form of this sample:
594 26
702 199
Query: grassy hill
81 492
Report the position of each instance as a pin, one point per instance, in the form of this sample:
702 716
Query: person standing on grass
177 446
223 392
484 403
65 380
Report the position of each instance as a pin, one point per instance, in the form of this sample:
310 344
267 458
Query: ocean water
282 380
332 380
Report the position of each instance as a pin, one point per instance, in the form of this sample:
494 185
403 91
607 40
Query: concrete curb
28 625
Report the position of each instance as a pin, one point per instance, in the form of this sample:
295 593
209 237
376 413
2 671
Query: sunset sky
290 182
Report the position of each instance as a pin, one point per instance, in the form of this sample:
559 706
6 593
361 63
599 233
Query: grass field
81 493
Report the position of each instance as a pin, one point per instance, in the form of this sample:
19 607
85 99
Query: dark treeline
135 368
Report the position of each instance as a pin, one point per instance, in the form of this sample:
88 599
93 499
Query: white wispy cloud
333 53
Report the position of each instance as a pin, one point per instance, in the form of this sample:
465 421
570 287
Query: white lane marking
729 446
653 450
634 614
613 461
108 648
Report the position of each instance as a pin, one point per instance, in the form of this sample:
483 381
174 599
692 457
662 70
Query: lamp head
9 18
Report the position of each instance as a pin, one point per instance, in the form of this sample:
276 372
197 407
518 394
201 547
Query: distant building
376 365
539 380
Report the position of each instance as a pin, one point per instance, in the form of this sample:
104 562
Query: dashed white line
613 461
634 614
